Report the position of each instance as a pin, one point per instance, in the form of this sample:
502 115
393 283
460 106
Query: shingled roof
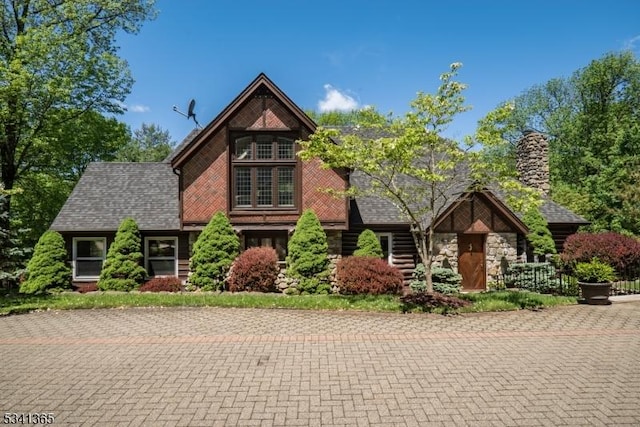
109 192
375 210
182 145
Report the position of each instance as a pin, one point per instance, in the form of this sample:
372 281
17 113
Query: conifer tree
308 248
47 270
122 270
12 250
213 253
539 235
368 245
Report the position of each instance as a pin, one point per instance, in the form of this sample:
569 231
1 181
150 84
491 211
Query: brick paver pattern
577 365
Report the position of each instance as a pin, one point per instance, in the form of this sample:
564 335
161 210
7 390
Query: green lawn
488 301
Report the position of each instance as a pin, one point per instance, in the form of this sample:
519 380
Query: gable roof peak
184 151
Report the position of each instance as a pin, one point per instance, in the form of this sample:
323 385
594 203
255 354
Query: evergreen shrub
368 245
445 280
308 249
533 276
122 270
213 253
539 235
47 270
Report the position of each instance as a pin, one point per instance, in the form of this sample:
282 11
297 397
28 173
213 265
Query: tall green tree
410 164
336 118
76 142
13 252
592 119
150 143
58 55
539 235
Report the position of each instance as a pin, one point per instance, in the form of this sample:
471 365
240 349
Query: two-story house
244 163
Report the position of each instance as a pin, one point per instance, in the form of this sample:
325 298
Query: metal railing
546 278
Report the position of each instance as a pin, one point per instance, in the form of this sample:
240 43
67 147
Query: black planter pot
594 293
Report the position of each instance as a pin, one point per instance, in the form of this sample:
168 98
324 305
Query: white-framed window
89 254
386 241
161 255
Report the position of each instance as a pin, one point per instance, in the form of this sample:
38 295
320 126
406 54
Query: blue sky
356 53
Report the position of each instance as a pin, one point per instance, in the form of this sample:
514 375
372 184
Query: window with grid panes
263 171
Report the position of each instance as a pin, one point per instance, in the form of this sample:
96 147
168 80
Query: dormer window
263 170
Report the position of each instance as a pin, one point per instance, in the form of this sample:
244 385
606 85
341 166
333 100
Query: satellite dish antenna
190 113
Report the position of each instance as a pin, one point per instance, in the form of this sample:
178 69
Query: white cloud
336 100
139 108
631 44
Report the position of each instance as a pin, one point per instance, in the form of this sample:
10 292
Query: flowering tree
410 164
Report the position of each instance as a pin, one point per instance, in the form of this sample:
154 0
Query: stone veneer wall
532 161
500 248
497 247
445 249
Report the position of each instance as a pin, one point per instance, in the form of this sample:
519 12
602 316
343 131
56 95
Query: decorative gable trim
260 86
445 222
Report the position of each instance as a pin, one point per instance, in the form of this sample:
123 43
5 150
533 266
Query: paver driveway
209 366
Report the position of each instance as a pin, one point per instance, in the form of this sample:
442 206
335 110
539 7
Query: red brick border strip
346 338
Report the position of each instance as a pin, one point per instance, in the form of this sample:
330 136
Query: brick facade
204 181
205 185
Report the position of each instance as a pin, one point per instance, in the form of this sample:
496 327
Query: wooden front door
471 261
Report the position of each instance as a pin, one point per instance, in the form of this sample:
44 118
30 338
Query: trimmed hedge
256 269
536 277
366 275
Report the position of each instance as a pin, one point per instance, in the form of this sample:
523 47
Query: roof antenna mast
190 114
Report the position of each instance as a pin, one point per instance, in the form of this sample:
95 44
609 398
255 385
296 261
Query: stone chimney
532 160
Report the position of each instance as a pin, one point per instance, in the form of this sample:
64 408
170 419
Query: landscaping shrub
368 245
313 285
429 302
122 270
256 269
539 235
594 271
213 253
537 277
617 250
47 270
308 248
358 275
445 280
162 284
